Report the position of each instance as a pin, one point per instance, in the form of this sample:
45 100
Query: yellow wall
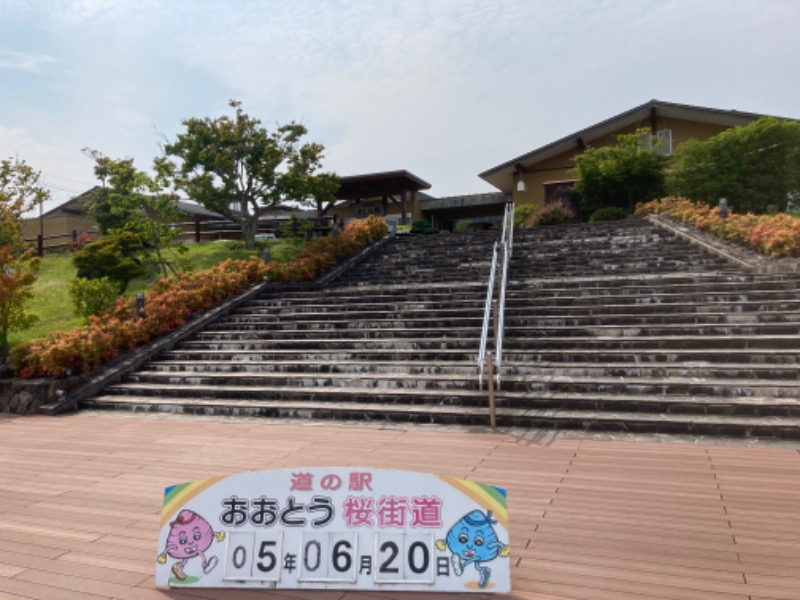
558 168
413 210
57 229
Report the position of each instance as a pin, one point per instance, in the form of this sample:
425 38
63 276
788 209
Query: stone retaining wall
27 396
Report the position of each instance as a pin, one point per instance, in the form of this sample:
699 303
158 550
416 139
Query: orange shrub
322 254
776 236
170 302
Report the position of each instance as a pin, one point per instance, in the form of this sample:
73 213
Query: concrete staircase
614 326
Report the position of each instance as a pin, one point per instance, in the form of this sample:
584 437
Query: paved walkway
80 498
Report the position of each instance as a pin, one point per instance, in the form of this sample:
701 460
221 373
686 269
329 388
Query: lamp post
521 187
40 238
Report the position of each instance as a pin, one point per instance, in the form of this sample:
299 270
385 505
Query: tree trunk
249 229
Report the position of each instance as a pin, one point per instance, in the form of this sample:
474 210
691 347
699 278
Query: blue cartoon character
473 540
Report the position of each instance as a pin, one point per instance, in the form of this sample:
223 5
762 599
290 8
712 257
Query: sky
444 89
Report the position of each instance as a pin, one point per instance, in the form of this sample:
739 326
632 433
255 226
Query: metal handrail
487 311
505 244
501 309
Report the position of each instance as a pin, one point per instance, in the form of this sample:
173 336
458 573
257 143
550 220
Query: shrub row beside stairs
776 236
321 254
171 302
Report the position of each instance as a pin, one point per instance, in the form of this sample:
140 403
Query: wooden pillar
197 231
385 205
403 220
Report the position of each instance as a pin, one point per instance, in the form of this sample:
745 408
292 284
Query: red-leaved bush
776 236
170 302
321 254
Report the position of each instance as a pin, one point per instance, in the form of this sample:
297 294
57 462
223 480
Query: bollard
139 304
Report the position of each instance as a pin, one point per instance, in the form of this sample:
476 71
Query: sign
403 229
337 528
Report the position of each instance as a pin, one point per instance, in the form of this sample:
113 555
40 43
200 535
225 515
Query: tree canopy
620 175
236 167
135 202
20 191
755 166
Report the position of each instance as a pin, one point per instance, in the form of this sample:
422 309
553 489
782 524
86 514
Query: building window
662 140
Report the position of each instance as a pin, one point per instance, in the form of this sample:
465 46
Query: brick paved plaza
598 519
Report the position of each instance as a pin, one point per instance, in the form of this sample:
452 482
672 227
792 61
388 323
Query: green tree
236 167
621 175
20 191
92 296
136 202
114 256
755 166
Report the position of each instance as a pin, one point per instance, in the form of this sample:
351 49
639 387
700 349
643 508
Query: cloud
446 89
65 171
23 61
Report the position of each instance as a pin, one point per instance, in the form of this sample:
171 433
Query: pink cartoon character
190 535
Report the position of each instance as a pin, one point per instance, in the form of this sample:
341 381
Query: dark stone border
738 255
62 395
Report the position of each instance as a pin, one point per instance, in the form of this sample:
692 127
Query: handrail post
490 380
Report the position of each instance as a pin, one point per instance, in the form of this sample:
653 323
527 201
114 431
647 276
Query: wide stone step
416 381
590 307
535 298
528 307
773 330
435 355
396 395
604 262
254 344
359 331
468 368
530 356
301 322
663 343
651 320
587 315
340 325
344 333
702 370
322 304
650 356
588 420
656 386
527 384
289 409
572 400
621 287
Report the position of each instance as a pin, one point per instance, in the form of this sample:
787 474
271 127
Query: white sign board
335 528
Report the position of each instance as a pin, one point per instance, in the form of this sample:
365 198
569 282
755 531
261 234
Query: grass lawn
51 302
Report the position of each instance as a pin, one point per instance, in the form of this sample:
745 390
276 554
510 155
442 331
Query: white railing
487 315
507 245
487 362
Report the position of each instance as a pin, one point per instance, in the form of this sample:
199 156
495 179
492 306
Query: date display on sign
253 556
330 558
403 558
